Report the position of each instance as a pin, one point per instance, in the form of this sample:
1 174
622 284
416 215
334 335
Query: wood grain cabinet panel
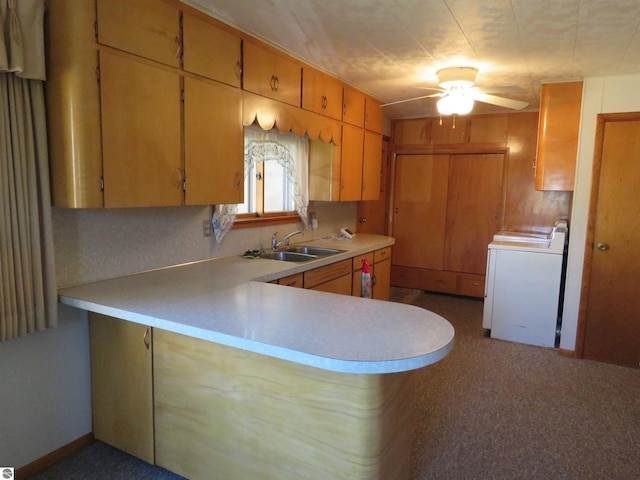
351 164
558 128
211 52
371 165
214 138
321 93
141 132
147 28
489 129
353 106
121 385
272 75
373 115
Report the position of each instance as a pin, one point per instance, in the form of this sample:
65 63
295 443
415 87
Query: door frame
602 120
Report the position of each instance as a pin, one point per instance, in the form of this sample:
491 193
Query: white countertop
219 300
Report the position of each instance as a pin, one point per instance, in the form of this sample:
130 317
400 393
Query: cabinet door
211 52
121 385
271 75
448 130
351 165
372 165
489 129
382 280
414 131
340 285
560 107
353 106
321 93
147 28
141 133
373 115
214 161
420 210
474 210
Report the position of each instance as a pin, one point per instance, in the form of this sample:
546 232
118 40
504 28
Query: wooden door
147 28
141 133
373 214
612 331
222 63
121 385
474 210
419 210
351 165
214 161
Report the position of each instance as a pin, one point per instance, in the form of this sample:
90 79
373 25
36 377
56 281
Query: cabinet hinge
95 29
98 73
184 185
182 95
102 184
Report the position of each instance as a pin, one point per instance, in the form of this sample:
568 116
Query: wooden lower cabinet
380 263
333 278
122 385
224 413
467 284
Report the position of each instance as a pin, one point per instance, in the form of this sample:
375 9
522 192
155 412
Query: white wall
607 94
45 395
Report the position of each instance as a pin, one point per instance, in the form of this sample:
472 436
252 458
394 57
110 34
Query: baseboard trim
61 453
568 353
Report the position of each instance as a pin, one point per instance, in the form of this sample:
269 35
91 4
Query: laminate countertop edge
333 332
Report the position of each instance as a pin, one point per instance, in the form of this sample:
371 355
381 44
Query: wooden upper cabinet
214 138
211 51
373 115
558 127
353 106
448 130
415 131
321 93
271 74
351 165
489 128
372 164
141 132
147 28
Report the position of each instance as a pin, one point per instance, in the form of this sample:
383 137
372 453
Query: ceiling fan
457 93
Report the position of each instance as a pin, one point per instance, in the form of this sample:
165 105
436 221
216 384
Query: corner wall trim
54 457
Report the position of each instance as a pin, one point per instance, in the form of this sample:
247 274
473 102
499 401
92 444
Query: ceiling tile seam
464 34
522 49
628 52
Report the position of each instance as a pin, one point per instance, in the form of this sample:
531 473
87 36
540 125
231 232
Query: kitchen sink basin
318 251
287 256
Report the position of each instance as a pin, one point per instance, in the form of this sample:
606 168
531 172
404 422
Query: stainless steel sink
288 256
318 251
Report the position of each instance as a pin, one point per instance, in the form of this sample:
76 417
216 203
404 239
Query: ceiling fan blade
500 101
412 99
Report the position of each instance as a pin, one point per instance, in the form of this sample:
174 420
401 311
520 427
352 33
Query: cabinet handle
178 47
237 179
374 280
147 338
344 109
179 182
238 69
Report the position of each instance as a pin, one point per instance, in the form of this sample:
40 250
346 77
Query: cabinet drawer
292 280
324 274
406 277
438 281
382 255
471 285
340 285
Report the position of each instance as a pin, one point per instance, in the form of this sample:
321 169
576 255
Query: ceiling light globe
455 104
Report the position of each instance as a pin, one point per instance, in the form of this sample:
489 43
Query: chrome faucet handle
274 241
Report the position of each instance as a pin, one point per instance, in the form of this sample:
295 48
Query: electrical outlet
206 228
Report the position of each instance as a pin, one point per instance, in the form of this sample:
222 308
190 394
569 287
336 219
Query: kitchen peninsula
253 380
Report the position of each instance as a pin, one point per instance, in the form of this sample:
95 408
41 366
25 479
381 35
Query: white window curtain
288 150
28 298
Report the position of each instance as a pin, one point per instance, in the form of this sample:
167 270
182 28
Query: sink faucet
275 243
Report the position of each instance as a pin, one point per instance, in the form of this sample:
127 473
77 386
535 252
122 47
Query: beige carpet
500 410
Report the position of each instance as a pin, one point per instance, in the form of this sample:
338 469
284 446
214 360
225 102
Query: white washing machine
523 286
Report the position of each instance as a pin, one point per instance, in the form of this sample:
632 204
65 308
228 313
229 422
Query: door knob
362 220
602 246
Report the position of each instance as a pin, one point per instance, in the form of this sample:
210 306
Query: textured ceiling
389 48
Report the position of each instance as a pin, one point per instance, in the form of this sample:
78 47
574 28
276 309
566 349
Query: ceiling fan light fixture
456 103
457 77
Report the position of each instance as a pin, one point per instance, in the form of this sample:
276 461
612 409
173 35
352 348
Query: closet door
419 210
475 206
